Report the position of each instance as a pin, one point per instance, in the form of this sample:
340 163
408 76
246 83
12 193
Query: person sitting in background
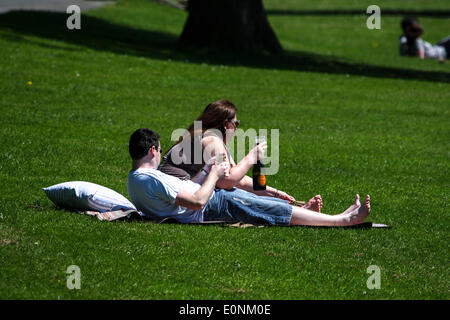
411 43
158 195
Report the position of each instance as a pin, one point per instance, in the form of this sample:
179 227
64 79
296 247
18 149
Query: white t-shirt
433 52
154 192
430 51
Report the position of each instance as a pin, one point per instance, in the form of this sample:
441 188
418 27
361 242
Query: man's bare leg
354 206
357 216
314 204
305 217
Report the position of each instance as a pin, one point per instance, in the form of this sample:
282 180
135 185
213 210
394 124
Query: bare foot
353 207
356 216
314 204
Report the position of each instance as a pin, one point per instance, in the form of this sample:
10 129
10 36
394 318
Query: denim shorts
238 205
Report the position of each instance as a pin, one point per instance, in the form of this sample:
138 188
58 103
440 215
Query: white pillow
87 196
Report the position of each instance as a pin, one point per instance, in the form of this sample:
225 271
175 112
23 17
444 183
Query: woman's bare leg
314 204
353 215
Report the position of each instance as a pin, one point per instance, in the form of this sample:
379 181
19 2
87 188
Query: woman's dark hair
141 141
213 117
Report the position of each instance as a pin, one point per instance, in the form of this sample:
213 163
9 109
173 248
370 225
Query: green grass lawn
353 116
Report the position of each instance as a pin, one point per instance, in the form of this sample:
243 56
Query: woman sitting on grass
221 116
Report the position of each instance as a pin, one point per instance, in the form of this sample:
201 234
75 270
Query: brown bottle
259 175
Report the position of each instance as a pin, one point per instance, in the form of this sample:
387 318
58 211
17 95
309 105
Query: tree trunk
235 25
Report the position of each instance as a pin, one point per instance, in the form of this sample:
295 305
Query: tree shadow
384 12
101 35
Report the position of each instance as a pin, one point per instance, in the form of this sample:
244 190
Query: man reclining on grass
158 195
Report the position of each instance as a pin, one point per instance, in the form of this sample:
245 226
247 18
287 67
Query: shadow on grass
101 35
346 12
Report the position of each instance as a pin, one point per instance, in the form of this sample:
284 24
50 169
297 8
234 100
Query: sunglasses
236 122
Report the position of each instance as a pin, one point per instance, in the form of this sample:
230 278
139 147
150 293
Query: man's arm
420 46
201 176
421 54
199 199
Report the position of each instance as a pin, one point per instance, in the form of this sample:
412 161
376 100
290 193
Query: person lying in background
411 43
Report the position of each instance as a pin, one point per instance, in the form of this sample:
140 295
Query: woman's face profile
230 128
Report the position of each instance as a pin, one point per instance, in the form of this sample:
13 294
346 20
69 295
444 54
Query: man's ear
151 152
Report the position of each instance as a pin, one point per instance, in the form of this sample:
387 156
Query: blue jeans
238 205
446 44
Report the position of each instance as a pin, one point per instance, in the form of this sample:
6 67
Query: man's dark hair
141 141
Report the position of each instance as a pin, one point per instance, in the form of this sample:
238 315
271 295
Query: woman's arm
213 146
246 184
238 173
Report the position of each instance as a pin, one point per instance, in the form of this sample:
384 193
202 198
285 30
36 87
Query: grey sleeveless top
185 163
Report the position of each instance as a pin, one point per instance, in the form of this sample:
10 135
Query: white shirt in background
430 51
